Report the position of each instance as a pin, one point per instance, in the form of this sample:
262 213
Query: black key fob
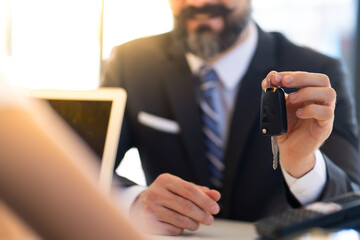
273 118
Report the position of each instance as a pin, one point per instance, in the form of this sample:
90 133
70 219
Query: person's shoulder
292 52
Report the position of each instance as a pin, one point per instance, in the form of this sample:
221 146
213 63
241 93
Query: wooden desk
220 229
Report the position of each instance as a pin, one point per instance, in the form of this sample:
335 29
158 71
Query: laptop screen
89 119
96 116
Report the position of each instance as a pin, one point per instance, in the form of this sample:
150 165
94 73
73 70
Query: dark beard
204 42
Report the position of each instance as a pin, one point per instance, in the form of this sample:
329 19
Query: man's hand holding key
310 114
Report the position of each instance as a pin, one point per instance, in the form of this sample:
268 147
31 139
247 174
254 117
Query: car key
273 119
275 151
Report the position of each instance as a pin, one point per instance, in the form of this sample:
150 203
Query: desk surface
220 229
235 230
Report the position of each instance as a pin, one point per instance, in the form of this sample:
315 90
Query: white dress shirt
307 188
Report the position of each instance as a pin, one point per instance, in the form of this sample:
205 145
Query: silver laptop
96 116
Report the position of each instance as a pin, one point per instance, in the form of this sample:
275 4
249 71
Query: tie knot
207 74
208 78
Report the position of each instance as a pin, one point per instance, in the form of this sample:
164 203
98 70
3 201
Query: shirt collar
240 56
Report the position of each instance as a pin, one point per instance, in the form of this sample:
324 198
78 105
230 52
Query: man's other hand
171 205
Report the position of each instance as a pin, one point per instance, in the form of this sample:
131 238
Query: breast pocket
158 123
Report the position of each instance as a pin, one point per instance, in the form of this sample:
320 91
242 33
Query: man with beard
193 150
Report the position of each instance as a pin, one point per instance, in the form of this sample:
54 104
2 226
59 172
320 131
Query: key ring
269 83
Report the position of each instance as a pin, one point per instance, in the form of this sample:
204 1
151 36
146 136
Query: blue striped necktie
210 126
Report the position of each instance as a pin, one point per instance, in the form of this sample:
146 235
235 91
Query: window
54 43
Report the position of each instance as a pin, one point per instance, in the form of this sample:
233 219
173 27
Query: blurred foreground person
43 180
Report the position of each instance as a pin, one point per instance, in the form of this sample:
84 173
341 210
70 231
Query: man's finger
271 80
215 195
295 80
176 219
189 209
191 192
323 95
314 111
302 79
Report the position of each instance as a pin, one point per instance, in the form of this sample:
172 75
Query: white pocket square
158 123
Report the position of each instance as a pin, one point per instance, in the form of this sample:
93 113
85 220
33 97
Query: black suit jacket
158 81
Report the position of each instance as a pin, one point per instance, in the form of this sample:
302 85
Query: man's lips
203 16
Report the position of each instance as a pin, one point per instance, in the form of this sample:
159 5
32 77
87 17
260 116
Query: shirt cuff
125 197
309 187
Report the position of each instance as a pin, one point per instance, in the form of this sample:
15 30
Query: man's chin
204 45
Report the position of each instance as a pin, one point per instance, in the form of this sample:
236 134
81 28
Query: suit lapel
180 85
246 111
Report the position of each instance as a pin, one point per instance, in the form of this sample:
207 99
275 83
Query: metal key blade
275 151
